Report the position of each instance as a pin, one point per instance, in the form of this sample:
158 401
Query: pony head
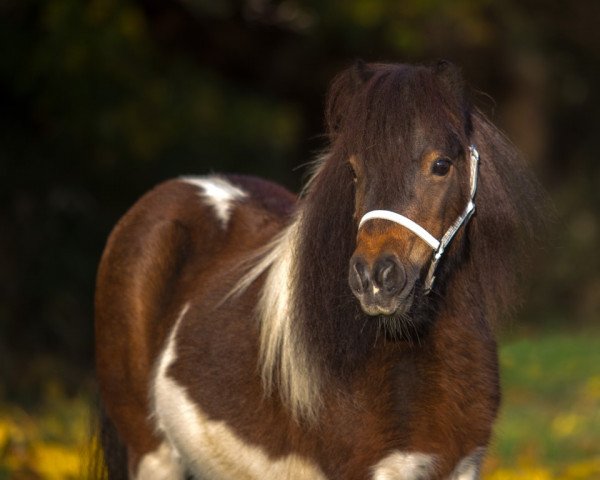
406 136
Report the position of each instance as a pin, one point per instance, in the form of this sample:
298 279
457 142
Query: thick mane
307 314
312 328
510 216
331 320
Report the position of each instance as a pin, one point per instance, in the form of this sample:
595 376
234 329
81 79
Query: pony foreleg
161 464
468 468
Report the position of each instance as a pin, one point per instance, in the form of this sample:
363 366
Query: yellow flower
55 462
566 425
526 473
591 390
583 470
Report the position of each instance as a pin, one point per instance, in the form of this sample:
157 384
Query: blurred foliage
48 439
102 99
94 113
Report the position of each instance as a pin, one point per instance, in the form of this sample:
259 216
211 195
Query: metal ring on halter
438 246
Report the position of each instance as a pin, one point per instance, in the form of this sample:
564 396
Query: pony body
231 345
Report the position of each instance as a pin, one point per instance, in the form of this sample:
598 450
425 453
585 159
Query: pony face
408 155
390 261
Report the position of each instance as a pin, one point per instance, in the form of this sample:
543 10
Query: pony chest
211 449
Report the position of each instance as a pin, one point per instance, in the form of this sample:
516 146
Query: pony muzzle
380 286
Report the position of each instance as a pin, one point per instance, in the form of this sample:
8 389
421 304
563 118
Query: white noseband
405 222
438 246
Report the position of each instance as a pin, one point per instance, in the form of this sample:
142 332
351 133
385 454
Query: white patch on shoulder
210 449
219 193
161 464
468 468
404 466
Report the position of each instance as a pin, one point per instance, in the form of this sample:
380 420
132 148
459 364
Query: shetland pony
242 333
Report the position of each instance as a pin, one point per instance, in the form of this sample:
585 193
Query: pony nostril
389 275
360 280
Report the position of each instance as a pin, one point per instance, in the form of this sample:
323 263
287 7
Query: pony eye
441 167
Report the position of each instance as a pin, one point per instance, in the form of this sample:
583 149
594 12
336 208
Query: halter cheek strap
438 246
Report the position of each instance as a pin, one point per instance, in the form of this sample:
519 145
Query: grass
549 426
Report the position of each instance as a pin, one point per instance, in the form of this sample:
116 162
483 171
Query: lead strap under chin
437 245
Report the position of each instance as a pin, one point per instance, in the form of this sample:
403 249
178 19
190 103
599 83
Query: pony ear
450 75
452 80
361 72
341 91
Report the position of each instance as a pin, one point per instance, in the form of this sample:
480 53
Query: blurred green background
102 99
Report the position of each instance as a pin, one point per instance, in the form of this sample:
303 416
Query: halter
438 246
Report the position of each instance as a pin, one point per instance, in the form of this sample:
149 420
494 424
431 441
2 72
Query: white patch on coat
219 193
468 468
161 464
404 466
210 449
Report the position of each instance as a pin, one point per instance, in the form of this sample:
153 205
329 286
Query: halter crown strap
437 245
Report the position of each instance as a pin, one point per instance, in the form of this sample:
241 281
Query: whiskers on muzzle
400 327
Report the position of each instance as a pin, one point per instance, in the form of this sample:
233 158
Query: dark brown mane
390 102
481 269
511 213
